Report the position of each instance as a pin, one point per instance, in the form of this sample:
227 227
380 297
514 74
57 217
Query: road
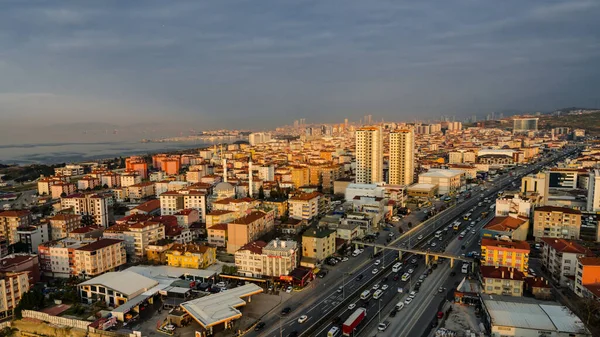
321 302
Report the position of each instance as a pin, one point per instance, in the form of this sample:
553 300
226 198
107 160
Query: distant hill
588 121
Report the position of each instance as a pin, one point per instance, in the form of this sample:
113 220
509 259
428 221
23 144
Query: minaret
225 169
250 191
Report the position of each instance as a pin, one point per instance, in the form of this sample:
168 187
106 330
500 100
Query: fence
74 323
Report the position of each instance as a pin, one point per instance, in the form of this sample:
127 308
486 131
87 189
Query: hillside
590 122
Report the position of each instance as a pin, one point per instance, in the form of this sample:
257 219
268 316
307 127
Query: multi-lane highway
322 303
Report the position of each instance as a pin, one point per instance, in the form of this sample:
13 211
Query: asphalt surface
321 299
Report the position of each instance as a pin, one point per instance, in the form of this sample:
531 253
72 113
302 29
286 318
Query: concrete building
12 288
304 206
34 235
17 263
191 255
69 170
99 257
256 138
369 155
248 228
175 201
501 281
88 183
514 207
525 124
317 244
536 183
515 228
560 257
62 224
257 259
140 191
593 197
59 189
448 181
137 236
130 179
402 157
556 222
587 277
505 253
10 221
94 205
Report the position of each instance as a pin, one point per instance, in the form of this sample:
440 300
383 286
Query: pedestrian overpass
428 254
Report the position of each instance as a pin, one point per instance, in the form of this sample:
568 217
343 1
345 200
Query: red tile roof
501 273
86 229
537 282
250 218
566 246
255 247
590 261
521 245
15 213
219 226
504 223
149 206
305 196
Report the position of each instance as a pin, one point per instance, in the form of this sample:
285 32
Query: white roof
421 186
158 272
532 314
442 173
125 282
217 308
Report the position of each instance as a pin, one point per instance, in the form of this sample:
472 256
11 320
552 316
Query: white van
465 268
399 306
378 294
333 332
365 295
396 267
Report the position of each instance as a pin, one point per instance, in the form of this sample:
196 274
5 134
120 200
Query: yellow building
300 175
505 253
502 281
191 256
157 251
317 244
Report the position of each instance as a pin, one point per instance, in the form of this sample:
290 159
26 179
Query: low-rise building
422 190
448 181
556 222
88 183
559 257
191 255
140 191
157 251
17 263
151 207
505 253
515 228
274 259
317 244
62 224
60 189
501 281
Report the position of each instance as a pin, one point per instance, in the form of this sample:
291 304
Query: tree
409 225
105 186
87 220
63 194
591 309
261 193
18 247
31 300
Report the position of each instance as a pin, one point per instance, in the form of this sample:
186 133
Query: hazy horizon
255 65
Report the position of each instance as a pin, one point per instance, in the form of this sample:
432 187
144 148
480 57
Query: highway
321 302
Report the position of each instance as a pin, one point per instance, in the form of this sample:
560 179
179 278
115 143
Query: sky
66 65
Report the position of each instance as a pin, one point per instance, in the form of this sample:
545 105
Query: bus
438 234
365 295
333 332
467 216
396 267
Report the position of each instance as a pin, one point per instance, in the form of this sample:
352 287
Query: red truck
353 321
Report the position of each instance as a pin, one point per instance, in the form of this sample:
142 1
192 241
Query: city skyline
232 65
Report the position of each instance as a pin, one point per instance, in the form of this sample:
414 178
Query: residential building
501 281
10 221
560 258
329 174
300 175
87 183
137 236
364 190
186 217
317 244
402 157
274 259
12 288
99 257
304 206
94 205
505 253
515 228
34 235
587 276
157 251
69 170
369 155
539 288
515 207
174 201
525 124
87 232
191 255
57 258
536 183
373 206
239 206
556 222
130 179
60 189
27 263
593 197
45 184
256 138
248 228
151 207
62 224
140 191
217 235
448 181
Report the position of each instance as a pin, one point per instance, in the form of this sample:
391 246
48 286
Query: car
393 312
377 262
473 232
396 277
452 273
286 311
375 271
472 223
351 306
420 237
433 244
221 285
302 319
384 279
260 326
376 286
384 287
440 289
407 301
340 289
344 259
410 271
413 261
383 325
359 277
440 315
391 235
271 287
412 294
289 289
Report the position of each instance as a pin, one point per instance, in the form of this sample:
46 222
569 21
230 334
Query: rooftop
250 218
255 247
557 209
125 282
503 273
149 206
590 261
102 243
522 245
318 232
441 173
505 223
566 246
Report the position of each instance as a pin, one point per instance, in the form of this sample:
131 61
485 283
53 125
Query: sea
72 152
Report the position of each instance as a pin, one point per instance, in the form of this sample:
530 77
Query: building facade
556 222
369 155
505 253
402 157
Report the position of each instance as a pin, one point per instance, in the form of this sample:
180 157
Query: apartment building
501 281
191 255
515 207
69 170
217 235
219 217
17 263
556 222
62 224
12 288
369 155
505 253
560 257
140 191
304 206
587 276
45 184
329 174
130 179
137 164
593 196
402 157
88 183
94 205
239 206
59 189
248 228
99 257
10 221
175 201
257 259
34 235
110 179
300 175
515 228
137 236
317 244
448 181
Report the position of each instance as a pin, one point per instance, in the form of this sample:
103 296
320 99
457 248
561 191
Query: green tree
261 193
31 300
63 194
409 225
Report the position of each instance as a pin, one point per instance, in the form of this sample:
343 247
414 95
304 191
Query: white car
376 286
302 319
221 285
344 259
289 289
377 262
412 294
383 326
410 271
473 232
391 235
408 300
433 244
420 237
351 306
375 271
384 287
472 223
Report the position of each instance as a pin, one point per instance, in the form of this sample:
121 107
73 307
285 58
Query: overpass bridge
427 253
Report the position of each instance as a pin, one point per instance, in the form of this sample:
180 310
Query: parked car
259 326
286 311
